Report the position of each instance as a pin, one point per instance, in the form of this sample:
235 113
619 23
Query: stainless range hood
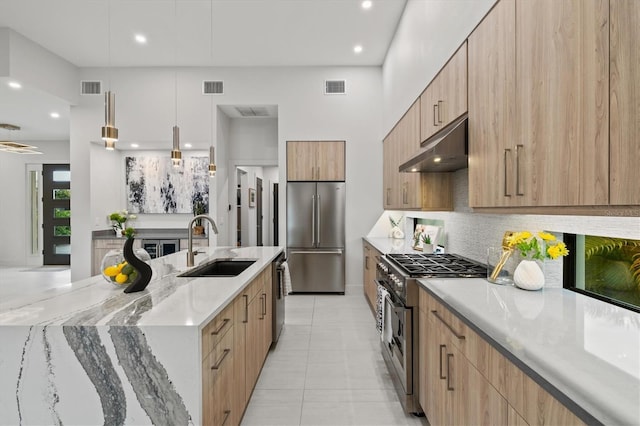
446 151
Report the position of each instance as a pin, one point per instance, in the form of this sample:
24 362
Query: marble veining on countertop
168 300
587 349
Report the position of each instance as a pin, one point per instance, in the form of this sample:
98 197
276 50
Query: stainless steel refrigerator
315 236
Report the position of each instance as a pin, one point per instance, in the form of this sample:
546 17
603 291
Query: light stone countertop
168 300
586 349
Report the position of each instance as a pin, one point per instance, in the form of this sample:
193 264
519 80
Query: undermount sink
220 268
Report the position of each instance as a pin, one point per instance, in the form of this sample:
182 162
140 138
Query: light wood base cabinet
234 346
369 286
466 381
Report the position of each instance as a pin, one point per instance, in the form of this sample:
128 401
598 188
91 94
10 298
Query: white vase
397 233
529 275
118 232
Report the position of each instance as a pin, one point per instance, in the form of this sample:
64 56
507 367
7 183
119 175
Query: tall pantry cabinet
538 110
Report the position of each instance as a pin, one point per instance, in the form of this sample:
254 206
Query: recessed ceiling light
54 115
366 4
15 85
357 48
437 159
134 145
187 145
141 39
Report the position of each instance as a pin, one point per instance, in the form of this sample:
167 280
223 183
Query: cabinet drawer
216 330
217 373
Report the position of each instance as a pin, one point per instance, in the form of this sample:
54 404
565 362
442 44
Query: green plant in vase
198 208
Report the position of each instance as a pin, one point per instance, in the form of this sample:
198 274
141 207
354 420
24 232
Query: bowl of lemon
116 270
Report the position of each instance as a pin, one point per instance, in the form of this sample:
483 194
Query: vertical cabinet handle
318 173
507 151
518 149
439 108
442 376
246 308
449 385
388 191
366 262
264 305
435 120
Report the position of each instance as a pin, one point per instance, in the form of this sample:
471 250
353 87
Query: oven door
396 341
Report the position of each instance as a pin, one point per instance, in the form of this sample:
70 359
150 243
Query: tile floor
326 368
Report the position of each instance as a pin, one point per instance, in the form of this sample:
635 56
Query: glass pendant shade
212 161
176 155
109 130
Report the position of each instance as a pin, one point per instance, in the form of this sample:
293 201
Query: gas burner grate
438 265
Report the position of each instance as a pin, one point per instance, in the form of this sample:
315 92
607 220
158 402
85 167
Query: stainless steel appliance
315 236
159 248
398 273
278 296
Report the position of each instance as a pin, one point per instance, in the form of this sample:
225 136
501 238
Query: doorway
259 212
56 214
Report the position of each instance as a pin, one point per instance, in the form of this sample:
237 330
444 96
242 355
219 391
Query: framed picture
252 197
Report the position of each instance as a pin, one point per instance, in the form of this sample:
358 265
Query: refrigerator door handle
313 221
318 221
337 251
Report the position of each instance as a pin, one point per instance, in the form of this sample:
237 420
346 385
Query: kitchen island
90 354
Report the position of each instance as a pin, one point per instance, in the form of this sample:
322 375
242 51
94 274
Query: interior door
259 212
56 210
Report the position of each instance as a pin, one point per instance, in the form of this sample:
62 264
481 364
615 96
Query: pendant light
109 130
212 156
176 154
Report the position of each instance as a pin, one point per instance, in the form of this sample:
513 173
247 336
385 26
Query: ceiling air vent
334 87
252 111
91 87
212 87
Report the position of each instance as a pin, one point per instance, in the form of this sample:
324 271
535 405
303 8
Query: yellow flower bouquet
540 246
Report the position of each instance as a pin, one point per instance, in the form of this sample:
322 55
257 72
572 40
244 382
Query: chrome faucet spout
190 253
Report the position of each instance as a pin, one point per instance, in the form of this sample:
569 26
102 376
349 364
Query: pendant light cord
109 43
175 57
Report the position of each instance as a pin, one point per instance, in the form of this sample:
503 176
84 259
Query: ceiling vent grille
91 87
252 111
212 87
335 87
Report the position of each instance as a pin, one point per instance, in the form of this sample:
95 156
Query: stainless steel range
398 273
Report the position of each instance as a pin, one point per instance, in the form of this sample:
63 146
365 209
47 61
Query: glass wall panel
61 176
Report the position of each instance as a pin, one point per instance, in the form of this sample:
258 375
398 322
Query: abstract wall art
155 186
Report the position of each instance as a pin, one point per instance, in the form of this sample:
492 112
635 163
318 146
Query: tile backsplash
470 234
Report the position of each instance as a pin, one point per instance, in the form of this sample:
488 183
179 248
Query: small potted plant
119 219
198 209
427 245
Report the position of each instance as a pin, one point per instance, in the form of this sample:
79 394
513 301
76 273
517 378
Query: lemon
111 271
121 278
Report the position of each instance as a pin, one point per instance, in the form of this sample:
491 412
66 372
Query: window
604 267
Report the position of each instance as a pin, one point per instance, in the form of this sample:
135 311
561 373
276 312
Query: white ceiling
95 33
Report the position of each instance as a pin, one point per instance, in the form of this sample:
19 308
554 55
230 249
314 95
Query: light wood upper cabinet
315 160
562 113
411 191
492 48
539 122
445 99
625 107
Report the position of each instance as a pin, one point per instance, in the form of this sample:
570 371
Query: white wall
428 34
13 174
224 177
145 104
